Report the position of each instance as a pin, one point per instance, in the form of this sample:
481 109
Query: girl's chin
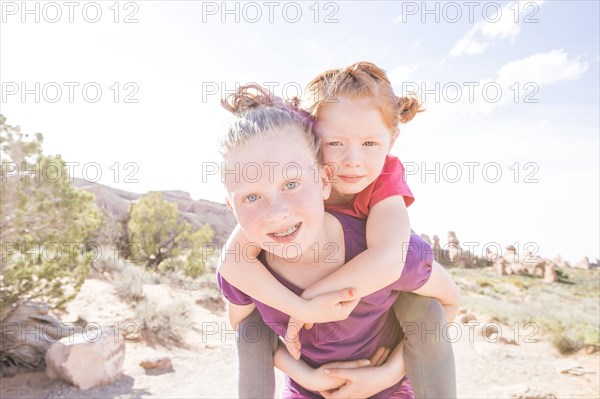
346 192
291 251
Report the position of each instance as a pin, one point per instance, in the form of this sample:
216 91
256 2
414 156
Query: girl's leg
429 357
256 345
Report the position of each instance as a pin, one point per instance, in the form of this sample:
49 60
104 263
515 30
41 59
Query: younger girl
283 205
357 114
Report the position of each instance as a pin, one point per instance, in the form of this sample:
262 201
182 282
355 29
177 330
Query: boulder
87 359
28 331
583 264
550 275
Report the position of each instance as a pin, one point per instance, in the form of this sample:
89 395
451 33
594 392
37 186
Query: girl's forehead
276 147
268 160
344 102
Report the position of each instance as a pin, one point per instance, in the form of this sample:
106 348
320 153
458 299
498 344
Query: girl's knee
413 308
255 336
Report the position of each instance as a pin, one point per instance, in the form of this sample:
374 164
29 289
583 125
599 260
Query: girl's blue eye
291 185
369 143
251 198
335 144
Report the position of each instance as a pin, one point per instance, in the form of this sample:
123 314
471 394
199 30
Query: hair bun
247 97
408 107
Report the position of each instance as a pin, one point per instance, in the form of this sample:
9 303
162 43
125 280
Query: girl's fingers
384 356
293 348
341 372
352 364
292 337
380 356
377 355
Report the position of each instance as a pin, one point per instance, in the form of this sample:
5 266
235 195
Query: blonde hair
360 80
258 113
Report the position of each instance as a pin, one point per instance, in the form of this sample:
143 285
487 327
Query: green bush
45 224
163 241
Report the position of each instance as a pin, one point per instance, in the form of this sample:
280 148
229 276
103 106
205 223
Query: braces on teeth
287 232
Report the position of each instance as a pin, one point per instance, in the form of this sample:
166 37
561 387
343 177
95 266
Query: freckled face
277 192
354 141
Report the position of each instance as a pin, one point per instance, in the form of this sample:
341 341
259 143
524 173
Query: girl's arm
381 264
237 313
313 379
441 287
364 381
367 381
305 375
241 268
376 267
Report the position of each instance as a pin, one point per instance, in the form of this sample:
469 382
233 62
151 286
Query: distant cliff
115 202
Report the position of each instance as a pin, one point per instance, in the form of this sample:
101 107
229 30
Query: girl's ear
228 204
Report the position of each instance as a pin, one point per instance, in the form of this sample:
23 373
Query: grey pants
429 357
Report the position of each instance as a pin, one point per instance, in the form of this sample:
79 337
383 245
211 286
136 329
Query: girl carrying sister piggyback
356 115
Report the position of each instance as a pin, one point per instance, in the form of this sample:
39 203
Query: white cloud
401 74
543 69
468 45
482 35
517 81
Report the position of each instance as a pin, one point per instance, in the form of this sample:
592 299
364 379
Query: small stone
157 363
488 330
507 341
462 311
564 365
467 318
518 392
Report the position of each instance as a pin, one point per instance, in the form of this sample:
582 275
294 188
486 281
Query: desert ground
204 361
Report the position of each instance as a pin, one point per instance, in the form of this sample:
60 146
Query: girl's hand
364 382
292 336
332 306
321 380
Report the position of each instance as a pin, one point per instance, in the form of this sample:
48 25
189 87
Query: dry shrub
165 324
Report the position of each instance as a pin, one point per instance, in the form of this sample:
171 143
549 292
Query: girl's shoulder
355 233
392 163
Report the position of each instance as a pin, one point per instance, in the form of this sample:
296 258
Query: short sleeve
231 293
391 181
417 269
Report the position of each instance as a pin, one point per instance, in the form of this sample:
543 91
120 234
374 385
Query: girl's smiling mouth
288 234
350 178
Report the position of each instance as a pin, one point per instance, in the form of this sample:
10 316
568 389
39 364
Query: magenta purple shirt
370 325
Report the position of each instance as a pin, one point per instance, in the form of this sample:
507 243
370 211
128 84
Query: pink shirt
390 182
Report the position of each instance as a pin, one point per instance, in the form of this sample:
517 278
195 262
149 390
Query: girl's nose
352 158
278 211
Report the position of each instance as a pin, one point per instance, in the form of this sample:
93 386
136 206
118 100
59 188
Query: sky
507 151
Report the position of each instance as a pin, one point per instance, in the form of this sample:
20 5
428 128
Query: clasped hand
332 306
353 379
